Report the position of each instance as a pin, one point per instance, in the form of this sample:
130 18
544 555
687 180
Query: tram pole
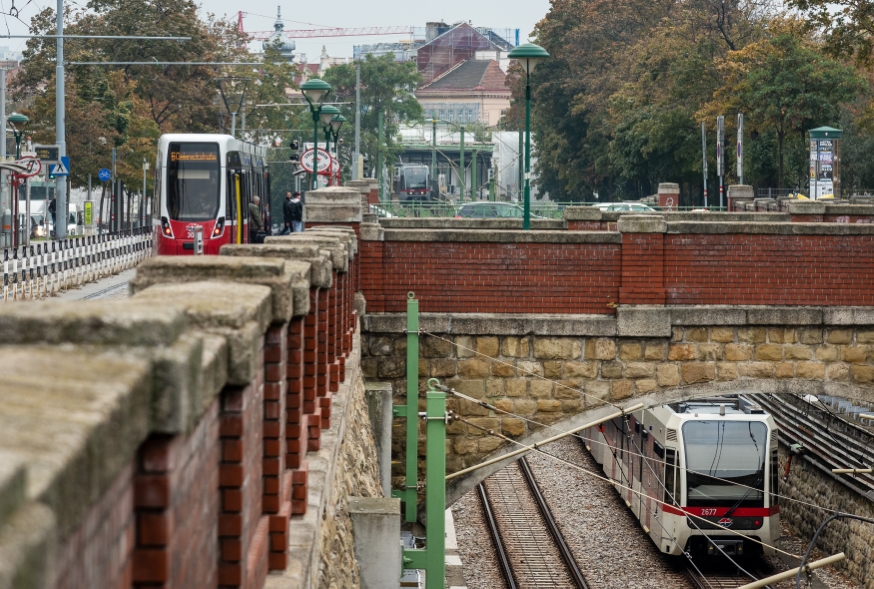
60 129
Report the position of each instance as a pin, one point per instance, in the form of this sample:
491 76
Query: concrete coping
630 320
806 207
770 228
582 213
744 191
270 272
372 232
500 236
13 484
320 261
453 223
105 323
593 214
669 188
642 224
336 245
849 209
347 234
334 204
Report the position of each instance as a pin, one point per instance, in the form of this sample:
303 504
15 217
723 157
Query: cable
555 382
647 458
611 481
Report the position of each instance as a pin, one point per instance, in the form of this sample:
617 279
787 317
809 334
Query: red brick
298 506
151 491
272 447
270 503
231 475
231 426
271 466
273 391
230 525
151 565
154 529
272 429
232 450
232 500
230 574
231 549
157 454
279 542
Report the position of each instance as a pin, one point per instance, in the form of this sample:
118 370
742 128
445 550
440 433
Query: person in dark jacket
287 213
296 212
255 222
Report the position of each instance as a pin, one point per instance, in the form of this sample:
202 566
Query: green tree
387 86
785 85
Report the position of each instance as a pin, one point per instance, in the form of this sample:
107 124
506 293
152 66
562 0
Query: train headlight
219 227
165 227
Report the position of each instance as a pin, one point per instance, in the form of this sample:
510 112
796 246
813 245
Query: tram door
235 206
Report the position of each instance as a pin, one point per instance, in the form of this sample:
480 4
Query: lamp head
327 113
17 119
528 56
337 122
315 90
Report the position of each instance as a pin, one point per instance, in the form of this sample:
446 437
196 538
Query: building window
470 115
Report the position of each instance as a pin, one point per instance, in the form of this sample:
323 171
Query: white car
634 207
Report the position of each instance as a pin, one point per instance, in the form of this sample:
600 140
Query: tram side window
193 181
670 475
231 204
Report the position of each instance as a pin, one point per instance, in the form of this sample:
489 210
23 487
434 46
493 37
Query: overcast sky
341 13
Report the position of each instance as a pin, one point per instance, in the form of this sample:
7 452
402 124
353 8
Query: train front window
193 173
416 178
725 463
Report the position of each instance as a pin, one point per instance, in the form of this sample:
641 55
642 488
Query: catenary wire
633 454
619 484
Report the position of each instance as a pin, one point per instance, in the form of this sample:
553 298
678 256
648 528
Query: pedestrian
287 214
256 225
296 213
53 207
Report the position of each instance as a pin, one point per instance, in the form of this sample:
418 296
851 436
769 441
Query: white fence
44 269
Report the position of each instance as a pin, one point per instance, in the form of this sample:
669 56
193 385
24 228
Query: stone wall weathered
550 369
812 484
204 433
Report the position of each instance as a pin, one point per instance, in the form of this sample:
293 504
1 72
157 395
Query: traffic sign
60 169
104 174
33 165
306 160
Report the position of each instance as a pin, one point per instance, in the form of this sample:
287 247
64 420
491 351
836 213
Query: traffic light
294 145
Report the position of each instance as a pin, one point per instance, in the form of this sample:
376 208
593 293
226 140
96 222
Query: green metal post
410 411
379 159
473 176
492 196
315 173
432 557
461 168
433 158
521 164
526 222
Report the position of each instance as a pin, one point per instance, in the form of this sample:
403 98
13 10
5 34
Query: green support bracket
399 410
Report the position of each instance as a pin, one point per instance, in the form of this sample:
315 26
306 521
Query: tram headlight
219 227
165 227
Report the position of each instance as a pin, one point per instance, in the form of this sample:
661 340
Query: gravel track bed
607 542
481 568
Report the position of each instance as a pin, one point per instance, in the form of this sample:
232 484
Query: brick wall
690 263
491 277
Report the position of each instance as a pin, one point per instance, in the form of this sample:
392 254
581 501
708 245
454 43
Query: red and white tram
714 458
208 181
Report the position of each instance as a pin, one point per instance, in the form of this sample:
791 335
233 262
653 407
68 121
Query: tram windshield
733 451
193 172
416 177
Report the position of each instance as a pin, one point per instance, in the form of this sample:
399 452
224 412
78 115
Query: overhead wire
619 484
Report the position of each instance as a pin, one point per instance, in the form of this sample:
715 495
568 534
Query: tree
846 26
785 85
387 86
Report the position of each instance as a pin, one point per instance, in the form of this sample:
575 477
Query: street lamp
17 119
336 123
327 115
315 90
528 55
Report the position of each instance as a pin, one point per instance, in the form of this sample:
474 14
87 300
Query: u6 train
715 459
208 181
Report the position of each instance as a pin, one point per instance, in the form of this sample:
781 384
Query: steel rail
563 548
506 569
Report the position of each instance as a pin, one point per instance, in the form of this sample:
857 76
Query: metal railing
551 210
44 269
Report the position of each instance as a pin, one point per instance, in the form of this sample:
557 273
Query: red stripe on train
720 511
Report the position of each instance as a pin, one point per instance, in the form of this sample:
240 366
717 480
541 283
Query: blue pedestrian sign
104 174
60 169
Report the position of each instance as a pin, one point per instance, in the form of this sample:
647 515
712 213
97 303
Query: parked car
634 207
491 210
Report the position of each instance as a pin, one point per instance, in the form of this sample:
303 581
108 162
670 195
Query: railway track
531 549
719 576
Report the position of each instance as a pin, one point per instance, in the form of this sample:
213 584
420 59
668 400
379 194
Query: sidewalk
113 287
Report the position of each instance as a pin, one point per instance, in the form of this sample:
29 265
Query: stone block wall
548 370
810 483
204 433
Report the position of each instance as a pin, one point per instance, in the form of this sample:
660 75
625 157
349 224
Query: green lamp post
336 123
17 120
528 55
315 91
329 111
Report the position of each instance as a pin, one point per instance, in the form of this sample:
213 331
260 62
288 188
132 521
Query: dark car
491 210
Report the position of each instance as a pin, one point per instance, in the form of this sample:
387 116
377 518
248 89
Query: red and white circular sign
33 165
306 160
